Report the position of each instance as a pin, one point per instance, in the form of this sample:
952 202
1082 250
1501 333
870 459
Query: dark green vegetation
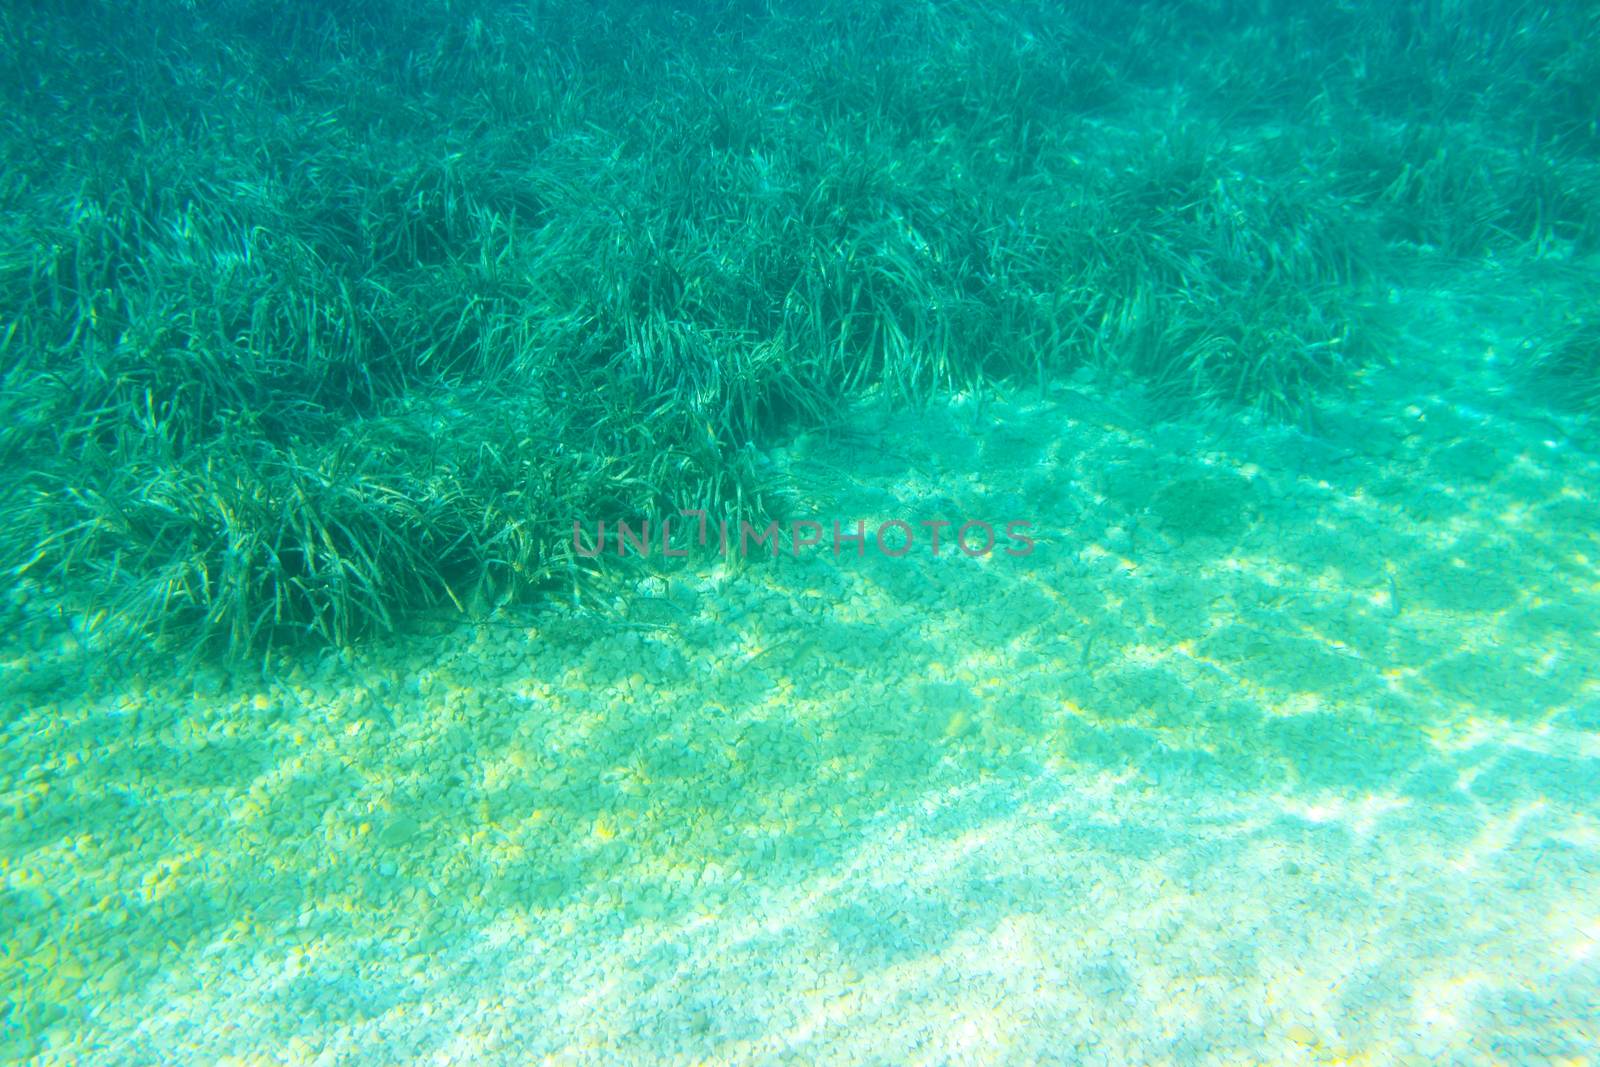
315 316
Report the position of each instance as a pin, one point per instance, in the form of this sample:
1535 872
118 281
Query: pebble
1301 1034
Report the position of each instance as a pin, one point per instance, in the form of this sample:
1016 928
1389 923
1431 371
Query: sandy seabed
1280 747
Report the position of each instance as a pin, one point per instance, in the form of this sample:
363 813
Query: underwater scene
858 532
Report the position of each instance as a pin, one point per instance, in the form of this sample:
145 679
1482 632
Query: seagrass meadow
875 532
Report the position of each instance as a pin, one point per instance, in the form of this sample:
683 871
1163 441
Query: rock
399 832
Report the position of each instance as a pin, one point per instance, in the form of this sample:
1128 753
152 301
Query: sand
1281 747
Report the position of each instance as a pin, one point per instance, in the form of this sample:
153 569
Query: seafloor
1280 748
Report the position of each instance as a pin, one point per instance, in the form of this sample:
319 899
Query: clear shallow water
1281 744
1279 748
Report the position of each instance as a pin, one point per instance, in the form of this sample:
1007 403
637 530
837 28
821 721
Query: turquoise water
1274 738
1309 777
